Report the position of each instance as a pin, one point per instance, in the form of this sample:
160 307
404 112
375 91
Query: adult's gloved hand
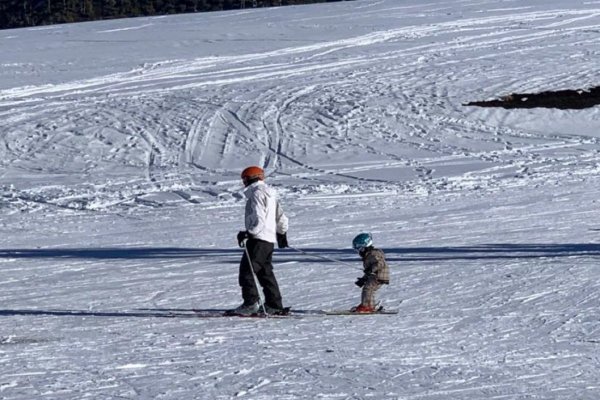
360 282
242 236
282 240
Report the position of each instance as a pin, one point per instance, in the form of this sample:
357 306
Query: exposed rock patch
561 99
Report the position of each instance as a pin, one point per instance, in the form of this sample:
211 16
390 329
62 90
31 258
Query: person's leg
246 278
264 272
368 292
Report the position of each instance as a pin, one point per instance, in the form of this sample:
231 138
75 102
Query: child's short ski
350 312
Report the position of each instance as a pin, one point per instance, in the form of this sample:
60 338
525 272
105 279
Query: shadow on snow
415 254
82 313
137 313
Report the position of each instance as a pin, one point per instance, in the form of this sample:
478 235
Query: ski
350 312
378 310
208 313
283 314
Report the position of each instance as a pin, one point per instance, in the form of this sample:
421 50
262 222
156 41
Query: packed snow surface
121 144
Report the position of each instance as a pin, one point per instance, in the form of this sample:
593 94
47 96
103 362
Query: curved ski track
326 115
498 291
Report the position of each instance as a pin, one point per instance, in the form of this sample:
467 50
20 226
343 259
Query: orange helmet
252 173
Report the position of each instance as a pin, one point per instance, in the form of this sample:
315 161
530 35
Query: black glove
241 236
360 282
282 240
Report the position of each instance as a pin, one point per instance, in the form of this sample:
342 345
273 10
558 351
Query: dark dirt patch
561 99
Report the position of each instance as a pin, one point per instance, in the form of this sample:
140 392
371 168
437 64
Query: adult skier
266 224
376 272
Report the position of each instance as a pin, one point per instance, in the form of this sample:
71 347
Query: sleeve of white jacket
282 220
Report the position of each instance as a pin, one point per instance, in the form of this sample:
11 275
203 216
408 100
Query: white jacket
264 216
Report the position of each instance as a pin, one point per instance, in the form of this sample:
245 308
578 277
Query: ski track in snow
121 198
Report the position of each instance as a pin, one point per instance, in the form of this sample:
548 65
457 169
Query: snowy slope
121 144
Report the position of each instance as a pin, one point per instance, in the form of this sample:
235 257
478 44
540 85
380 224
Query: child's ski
349 312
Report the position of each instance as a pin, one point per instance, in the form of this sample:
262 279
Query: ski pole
260 296
325 258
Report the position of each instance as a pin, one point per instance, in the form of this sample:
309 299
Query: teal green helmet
361 241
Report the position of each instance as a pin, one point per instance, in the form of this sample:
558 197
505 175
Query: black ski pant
261 253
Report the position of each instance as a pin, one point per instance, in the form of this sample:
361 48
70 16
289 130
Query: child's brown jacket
374 264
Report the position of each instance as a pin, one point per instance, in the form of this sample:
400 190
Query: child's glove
360 282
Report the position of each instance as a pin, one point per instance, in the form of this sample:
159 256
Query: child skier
377 272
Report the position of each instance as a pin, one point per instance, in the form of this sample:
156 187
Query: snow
121 144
